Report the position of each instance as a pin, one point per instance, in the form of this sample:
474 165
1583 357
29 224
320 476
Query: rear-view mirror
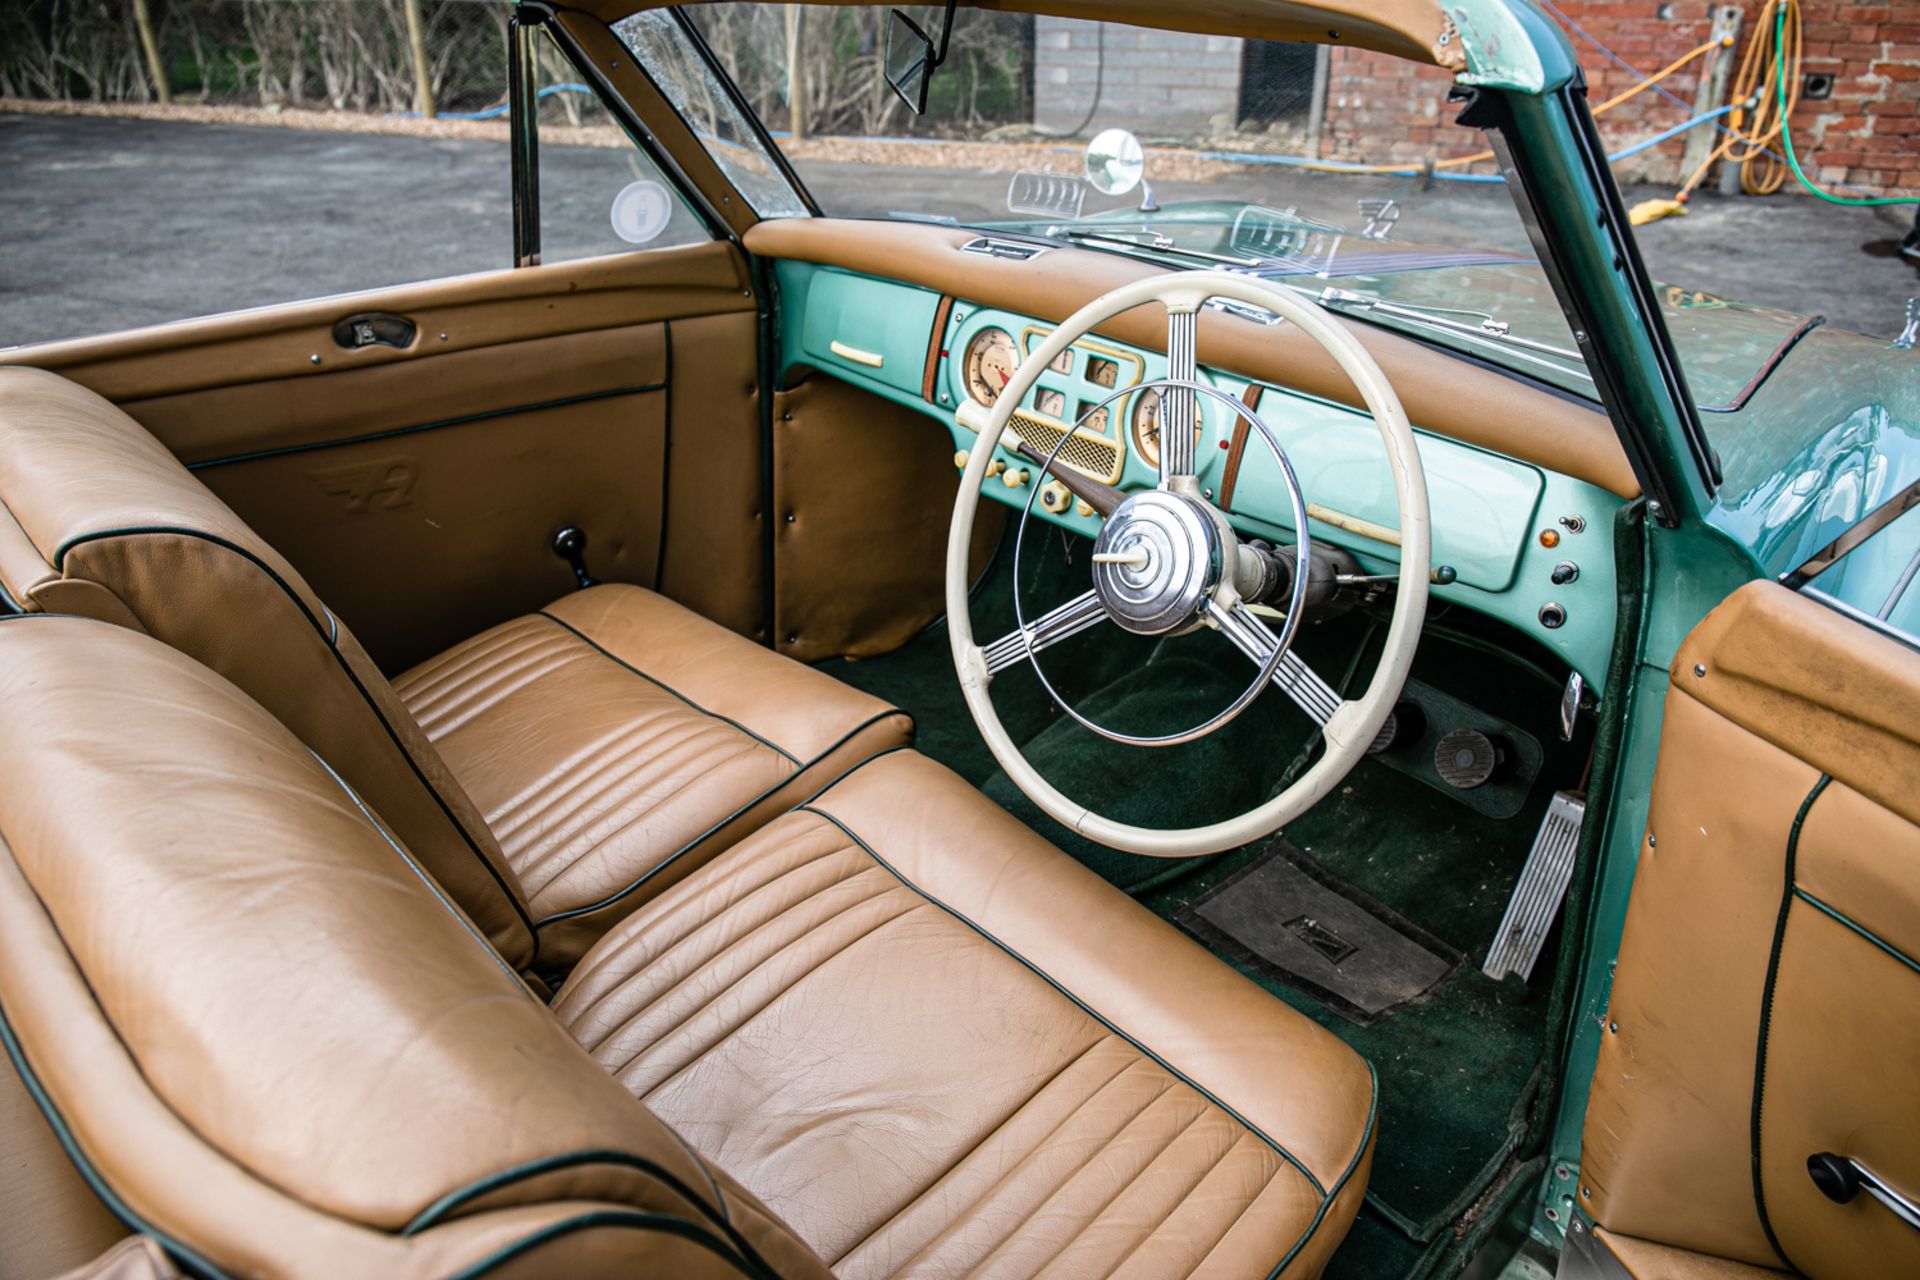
910 61
912 57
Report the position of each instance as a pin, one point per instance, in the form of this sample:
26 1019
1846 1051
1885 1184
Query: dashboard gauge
1102 372
1063 363
1146 425
1093 419
1052 403
991 360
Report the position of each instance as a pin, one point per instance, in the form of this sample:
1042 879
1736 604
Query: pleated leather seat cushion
615 741
933 1044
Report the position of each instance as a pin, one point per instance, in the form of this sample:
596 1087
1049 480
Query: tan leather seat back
274 1041
1766 1003
107 524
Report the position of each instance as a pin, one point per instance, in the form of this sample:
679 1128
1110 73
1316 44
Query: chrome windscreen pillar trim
1852 536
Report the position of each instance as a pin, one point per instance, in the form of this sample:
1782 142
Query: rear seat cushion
615 741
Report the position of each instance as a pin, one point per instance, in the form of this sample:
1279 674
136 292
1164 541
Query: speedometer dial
1146 425
991 360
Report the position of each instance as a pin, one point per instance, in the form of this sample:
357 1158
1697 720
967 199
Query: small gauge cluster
1146 425
991 359
1078 386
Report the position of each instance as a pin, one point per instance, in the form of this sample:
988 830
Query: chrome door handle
1841 1179
374 329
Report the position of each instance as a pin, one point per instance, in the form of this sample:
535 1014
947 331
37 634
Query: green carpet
1455 1071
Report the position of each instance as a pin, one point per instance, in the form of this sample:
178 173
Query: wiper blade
1119 239
1461 320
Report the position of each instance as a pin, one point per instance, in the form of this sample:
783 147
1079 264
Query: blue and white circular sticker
641 211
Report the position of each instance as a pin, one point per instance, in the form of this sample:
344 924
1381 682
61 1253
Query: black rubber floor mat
1290 918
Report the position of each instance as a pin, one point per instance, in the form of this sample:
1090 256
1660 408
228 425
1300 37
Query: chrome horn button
1156 559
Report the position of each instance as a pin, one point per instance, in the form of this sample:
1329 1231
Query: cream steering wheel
1167 561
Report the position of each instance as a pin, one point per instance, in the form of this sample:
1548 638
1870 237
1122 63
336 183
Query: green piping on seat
658 683
438 893
181 1253
716 1214
733 817
1326 1196
1083 1006
59 563
615 1218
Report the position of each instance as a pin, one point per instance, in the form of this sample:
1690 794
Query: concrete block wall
1155 82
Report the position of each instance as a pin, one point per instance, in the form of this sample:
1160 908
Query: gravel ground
118 221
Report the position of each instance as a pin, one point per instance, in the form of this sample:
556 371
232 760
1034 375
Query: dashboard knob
1016 477
1055 498
961 459
995 467
1564 572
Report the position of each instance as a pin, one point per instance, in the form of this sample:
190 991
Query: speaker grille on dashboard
1095 456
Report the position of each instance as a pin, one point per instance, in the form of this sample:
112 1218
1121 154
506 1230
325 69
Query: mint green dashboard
1504 526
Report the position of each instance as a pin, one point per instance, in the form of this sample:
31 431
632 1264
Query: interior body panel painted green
847 321
1488 510
1757 438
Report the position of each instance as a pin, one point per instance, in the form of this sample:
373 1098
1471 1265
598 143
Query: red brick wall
1866 135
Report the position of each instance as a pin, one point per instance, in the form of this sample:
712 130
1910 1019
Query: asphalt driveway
114 223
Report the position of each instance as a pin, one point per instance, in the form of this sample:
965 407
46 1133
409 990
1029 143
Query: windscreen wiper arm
1118 239
1462 320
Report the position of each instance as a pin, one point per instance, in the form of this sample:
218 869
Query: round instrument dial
1146 425
991 360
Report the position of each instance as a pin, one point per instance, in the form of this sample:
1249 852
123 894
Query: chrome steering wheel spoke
1253 637
1177 402
1050 628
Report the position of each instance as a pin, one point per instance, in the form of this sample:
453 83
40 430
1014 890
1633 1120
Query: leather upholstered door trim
1766 1000
418 490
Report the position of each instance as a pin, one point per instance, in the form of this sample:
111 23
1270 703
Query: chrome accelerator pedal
1543 885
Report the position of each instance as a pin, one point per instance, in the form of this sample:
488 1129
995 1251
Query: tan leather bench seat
935 1045
891 1033
612 736
570 763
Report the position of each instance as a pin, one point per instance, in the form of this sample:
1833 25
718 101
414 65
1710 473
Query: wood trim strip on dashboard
1237 446
1442 393
930 380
